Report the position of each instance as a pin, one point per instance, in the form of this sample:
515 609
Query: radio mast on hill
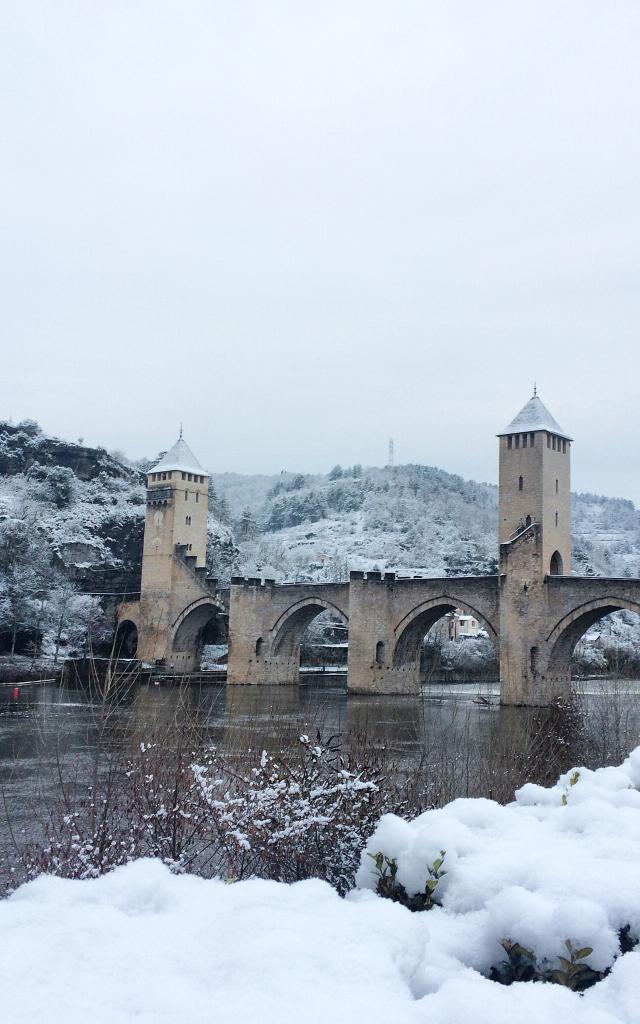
390 458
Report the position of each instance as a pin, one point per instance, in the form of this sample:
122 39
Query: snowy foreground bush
142 944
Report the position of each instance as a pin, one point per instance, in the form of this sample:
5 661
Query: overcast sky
304 227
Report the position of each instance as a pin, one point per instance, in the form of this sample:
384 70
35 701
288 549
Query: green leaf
559 978
581 953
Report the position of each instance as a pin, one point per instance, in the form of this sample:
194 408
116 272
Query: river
44 729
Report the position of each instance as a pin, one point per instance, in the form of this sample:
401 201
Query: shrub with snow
141 944
557 866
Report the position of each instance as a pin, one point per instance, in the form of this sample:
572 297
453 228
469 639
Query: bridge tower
535 544
175 545
535 484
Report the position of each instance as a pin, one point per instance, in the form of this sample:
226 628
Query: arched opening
125 644
597 640
380 652
314 636
443 640
200 641
556 565
595 653
527 521
259 646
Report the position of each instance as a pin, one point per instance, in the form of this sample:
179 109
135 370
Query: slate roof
534 416
179 457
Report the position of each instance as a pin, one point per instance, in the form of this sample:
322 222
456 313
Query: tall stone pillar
372 615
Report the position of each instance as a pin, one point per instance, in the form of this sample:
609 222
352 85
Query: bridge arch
289 627
205 614
571 628
125 641
411 630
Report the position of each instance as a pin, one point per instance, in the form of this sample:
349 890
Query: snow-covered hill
72 517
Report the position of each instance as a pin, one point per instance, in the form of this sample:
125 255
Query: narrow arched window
527 521
259 646
556 564
380 652
556 518
521 483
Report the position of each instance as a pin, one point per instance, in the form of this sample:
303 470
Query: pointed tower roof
534 416
179 457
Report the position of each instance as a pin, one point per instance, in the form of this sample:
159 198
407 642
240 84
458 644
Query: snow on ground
147 946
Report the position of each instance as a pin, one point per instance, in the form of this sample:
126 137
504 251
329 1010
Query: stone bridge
534 610
387 617
534 623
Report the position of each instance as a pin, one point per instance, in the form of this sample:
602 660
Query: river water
46 728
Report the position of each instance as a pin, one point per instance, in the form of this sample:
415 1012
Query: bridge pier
373 599
266 623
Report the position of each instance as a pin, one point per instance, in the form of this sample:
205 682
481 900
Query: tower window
517 440
187 520
197 495
548 440
509 442
556 566
521 483
556 518
525 438
557 486
380 652
186 495
184 476
564 447
532 440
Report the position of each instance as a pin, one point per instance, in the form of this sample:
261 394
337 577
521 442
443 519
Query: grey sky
304 227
